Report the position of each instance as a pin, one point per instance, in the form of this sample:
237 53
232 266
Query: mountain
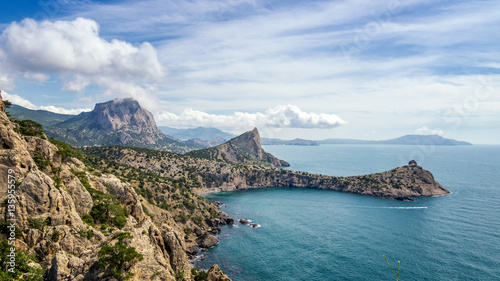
116 122
244 149
425 140
202 133
404 140
43 117
268 141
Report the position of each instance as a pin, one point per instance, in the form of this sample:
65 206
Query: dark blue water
310 234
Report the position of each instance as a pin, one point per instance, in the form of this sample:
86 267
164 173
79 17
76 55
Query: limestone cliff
74 221
244 149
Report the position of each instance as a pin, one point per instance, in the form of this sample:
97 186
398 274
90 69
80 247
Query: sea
307 234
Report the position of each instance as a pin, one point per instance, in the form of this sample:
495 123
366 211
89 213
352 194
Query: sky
294 69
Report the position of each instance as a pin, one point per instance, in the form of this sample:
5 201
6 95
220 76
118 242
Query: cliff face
116 122
244 149
73 218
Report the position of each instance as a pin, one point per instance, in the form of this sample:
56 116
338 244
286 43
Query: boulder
244 221
207 241
216 274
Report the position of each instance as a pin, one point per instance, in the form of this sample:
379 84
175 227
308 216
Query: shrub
30 128
199 275
55 235
86 218
38 223
66 151
40 160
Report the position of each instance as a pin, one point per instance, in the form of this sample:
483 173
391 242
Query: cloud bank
15 99
281 116
426 131
75 52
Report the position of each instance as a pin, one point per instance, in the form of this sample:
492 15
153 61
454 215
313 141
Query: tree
119 258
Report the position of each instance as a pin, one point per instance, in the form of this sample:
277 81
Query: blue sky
308 69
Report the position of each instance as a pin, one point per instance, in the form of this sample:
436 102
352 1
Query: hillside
116 122
43 117
244 149
72 219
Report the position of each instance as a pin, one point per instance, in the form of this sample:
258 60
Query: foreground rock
244 221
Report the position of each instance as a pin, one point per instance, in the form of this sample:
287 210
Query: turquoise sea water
310 234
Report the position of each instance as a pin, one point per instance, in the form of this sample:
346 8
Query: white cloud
281 116
17 100
426 131
40 77
75 51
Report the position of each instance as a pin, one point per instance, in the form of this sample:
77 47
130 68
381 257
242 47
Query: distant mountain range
404 140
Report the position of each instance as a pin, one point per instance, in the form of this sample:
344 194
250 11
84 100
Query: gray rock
207 241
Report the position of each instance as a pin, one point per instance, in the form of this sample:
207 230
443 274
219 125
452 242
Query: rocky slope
73 222
116 122
244 149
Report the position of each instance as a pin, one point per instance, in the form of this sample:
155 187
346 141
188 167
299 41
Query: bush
66 151
40 160
55 235
86 218
38 223
199 275
30 128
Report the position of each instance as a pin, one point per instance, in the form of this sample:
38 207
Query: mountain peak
244 149
127 114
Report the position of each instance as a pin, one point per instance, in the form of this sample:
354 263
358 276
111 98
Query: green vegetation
22 271
396 275
55 235
40 160
38 223
65 150
118 259
30 128
179 276
107 209
199 275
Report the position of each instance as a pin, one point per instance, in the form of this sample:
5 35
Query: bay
308 234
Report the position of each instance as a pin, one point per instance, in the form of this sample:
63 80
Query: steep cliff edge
69 221
244 149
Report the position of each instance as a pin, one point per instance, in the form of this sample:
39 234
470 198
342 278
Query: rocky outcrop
215 274
207 241
244 149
